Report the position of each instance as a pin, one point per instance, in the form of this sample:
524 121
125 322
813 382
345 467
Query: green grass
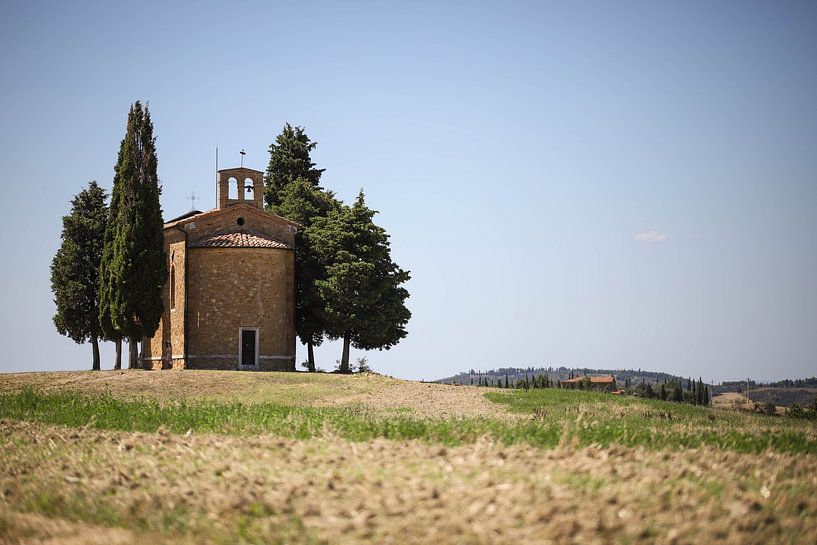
556 417
604 419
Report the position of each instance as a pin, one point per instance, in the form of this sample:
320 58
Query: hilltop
234 457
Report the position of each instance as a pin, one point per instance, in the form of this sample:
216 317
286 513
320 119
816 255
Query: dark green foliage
302 201
767 408
289 161
75 269
362 292
809 412
134 264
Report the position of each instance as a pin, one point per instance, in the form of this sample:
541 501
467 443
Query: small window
232 189
172 287
240 221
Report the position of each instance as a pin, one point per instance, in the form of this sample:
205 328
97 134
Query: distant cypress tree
677 394
134 264
506 381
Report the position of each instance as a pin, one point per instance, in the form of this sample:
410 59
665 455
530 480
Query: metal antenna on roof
243 153
192 198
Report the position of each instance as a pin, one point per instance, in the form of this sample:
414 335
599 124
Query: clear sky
613 184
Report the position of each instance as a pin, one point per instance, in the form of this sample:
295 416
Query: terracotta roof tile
239 239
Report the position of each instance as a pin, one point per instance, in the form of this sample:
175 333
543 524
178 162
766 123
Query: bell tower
240 186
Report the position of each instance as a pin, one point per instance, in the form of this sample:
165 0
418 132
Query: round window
240 221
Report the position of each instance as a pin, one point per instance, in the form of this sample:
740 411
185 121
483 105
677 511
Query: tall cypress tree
75 269
289 160
363 293
134 264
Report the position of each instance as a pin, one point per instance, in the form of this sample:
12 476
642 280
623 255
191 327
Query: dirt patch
258 489
739 402
429 400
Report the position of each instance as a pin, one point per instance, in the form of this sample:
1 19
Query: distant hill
784 397
741 385
515 374
783 392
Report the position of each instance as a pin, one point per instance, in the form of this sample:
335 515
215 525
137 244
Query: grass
556 417
266 468
286 388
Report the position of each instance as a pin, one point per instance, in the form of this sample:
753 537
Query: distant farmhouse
229 302
606 382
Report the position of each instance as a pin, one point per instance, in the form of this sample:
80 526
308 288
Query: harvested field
546 466
225 489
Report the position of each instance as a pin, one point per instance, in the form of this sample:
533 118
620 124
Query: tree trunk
133 355
95 346
310 350
117 364
344 359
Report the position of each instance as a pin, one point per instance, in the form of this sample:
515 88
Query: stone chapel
229 300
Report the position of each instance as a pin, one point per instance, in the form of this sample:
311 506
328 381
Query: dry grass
78 485
300 389
263 490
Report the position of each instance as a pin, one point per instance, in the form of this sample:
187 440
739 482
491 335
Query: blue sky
618 185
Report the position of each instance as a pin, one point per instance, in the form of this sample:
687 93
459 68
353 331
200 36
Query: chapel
229 300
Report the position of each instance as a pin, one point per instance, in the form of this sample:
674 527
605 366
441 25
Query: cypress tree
75 269
134 264
302 202
364 301
677 394
289 160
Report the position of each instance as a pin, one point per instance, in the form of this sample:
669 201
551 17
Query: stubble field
212 457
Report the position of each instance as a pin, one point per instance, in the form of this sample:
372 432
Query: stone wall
230 288
166 348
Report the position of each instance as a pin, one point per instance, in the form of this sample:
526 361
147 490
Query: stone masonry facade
229 298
